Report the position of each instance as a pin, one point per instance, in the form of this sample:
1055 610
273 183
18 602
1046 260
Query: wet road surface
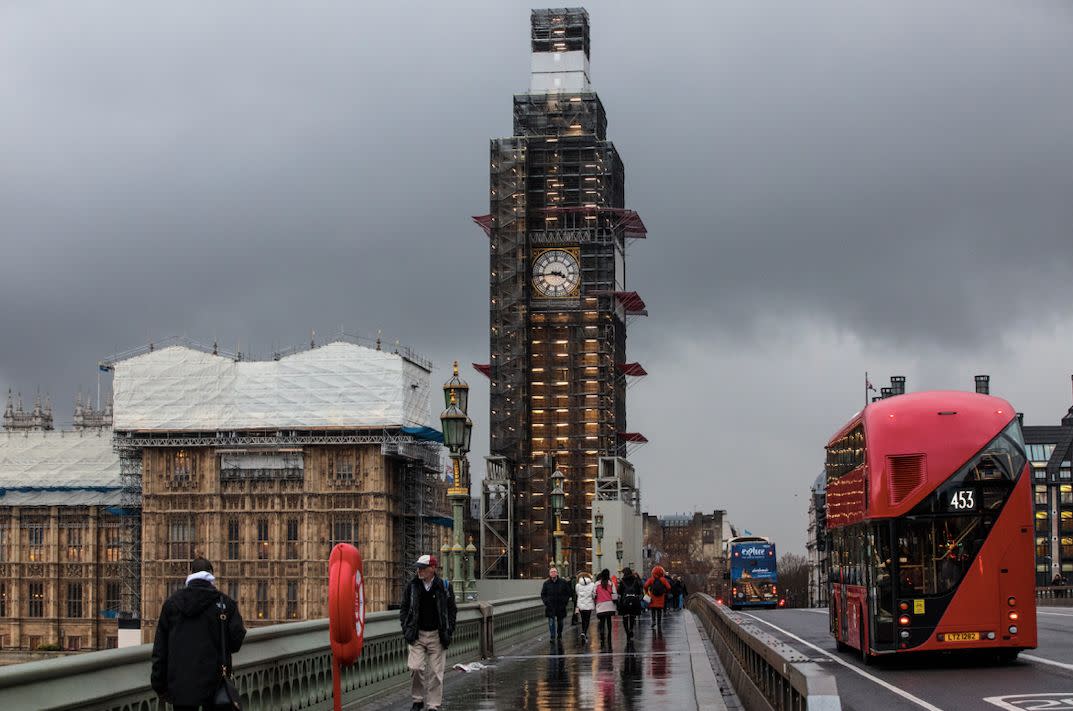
654 673
1042 678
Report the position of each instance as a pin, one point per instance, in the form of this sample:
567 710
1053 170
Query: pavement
1042 678
671 671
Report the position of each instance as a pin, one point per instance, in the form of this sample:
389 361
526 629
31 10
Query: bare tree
793 579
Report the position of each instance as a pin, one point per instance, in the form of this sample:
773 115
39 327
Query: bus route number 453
963 500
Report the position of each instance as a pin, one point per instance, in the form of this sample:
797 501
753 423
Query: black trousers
586 616
605 620
657 616
628 624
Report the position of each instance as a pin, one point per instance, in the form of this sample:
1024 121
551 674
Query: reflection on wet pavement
543 676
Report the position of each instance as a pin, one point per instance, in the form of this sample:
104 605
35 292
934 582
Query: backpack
658 588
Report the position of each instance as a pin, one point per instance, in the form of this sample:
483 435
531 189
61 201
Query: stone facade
688 545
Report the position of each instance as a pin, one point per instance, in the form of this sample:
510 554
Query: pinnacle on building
558 230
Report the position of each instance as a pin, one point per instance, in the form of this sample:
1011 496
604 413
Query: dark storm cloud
896 175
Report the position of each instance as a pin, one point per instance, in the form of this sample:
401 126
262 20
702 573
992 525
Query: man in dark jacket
427 613
555 594
186 651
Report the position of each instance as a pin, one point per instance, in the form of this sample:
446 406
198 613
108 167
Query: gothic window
36 600
261 607
343 530
113 543
181 538
180 466
263 547
35 541
74 599
3 599
292 539
3 543
74 644
232 590
73 534
234 542
112 596
292 599
341 466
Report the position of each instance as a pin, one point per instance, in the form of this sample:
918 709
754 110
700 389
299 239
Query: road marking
1055 614
814 610
889 687
1033 702
1041 660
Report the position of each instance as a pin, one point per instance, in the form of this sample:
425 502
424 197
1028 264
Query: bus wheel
842 646
1007 656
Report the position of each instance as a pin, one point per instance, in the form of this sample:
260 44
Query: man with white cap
427 613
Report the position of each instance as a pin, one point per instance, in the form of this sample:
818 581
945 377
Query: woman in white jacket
585 592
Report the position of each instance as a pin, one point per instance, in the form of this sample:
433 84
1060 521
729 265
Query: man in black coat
427 613
555 594
186 664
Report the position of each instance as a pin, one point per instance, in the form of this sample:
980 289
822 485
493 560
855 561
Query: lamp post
457 432
599 542
558 499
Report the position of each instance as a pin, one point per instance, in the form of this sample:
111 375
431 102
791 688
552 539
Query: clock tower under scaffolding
558 233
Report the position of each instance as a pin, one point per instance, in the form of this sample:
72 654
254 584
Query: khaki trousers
426 662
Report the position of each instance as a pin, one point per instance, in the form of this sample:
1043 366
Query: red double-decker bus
929 513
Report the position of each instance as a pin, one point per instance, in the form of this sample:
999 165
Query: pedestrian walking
630 592
585 596
606 605
683 592
676 592
657 587
555 594
198 631
427 613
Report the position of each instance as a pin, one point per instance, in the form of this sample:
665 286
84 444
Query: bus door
881 590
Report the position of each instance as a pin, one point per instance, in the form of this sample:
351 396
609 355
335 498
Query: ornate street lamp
558 503
457 434
599 542
618 552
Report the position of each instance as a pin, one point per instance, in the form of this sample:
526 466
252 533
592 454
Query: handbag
226 693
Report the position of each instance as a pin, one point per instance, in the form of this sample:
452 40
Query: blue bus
751 567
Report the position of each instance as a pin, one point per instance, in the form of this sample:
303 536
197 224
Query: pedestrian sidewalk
671 669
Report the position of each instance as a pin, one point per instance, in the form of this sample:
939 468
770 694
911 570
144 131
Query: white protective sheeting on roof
336 386
58 460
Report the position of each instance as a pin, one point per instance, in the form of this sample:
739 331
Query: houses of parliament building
260 466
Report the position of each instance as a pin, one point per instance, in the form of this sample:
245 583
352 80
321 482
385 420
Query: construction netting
336 386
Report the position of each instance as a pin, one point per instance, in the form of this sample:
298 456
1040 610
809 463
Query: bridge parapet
1060 595
766 673
284 666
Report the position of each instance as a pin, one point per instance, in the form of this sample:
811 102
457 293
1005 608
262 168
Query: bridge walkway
671 671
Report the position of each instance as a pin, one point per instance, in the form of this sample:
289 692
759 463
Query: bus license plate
961 637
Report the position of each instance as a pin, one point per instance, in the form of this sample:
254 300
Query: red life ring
346 603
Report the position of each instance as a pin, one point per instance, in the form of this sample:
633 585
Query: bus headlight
905 634
990 635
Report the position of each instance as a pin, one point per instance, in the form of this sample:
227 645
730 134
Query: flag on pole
868 383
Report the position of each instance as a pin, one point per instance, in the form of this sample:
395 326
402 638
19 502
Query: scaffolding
557 388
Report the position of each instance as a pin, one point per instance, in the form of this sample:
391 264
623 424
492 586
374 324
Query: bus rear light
1013 615
1013 629
718 601
903 606
782 603
1011 601
903 620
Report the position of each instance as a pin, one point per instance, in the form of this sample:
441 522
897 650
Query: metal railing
1061 595
765 673
285 666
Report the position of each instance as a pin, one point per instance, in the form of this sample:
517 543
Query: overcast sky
830 187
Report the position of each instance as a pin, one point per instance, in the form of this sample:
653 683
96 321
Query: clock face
556 273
